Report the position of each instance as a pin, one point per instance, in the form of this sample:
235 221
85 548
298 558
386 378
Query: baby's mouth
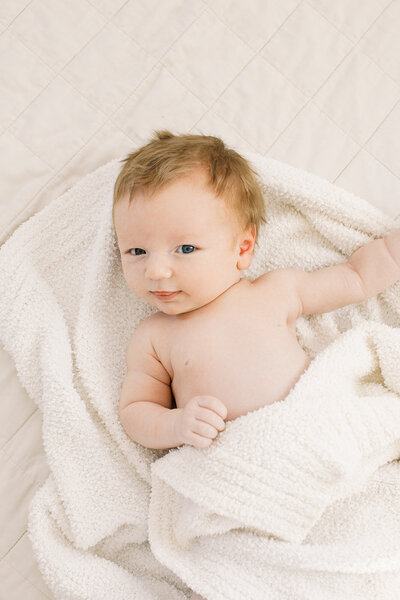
166 295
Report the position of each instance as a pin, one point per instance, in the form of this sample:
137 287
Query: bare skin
247 358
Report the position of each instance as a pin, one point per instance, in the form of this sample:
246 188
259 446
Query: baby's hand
200 420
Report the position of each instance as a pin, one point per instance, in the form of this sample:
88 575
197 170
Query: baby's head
186 212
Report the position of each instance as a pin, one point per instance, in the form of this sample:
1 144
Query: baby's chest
233 360
201 350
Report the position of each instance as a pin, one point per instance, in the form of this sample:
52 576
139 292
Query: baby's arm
378 263
145 404
369 270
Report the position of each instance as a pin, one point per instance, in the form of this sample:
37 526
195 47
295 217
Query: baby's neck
216 301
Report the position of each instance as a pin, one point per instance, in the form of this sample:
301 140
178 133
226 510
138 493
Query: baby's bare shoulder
149 336
279 286
160 335
145 331
155 326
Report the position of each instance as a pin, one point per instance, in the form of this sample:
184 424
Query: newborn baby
186 214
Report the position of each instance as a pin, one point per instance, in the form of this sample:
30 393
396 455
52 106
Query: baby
187 211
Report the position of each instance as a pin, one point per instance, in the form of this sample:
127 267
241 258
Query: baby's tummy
241 387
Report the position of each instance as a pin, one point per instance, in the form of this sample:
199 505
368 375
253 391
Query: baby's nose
158 269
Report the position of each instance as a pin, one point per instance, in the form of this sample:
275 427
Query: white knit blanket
298 500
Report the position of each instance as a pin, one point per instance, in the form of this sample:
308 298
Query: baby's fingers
213 403
210 418
200 441
204 429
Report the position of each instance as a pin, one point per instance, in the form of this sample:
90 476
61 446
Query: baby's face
182 239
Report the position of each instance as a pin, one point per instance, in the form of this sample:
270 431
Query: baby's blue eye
133 252
186 246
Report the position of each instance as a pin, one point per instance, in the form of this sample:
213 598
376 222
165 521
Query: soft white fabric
300 499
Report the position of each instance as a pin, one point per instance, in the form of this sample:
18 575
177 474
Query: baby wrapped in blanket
186 213
297 499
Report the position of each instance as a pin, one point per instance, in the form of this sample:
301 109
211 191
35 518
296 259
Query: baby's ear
246 248
250 234
246 245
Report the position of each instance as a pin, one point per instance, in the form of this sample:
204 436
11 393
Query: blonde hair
167 156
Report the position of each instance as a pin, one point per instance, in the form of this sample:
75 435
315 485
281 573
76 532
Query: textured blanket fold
299 499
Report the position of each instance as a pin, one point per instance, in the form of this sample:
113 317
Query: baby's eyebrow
176 237
183 233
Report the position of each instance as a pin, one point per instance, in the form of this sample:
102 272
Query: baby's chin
168 311
169 308
174 308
